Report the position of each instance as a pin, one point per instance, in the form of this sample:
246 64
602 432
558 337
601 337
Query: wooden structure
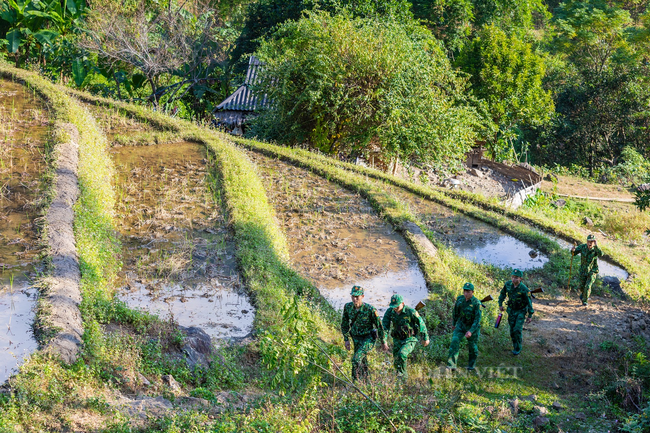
233 112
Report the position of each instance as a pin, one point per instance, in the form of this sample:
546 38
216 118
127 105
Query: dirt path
579 343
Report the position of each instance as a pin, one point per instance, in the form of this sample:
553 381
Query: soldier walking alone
588 266
466 324
407 326
520 303
361 322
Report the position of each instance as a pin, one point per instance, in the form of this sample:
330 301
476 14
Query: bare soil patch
482 180
579 342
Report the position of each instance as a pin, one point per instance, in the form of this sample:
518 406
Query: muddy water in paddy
481 242
337 240
178 256
23 132
470 238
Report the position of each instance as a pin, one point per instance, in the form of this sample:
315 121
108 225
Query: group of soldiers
362 324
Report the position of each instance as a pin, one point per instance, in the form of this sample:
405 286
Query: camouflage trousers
516 319
454 349
401 351
362 346
585 280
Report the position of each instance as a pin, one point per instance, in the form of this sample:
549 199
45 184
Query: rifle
537 290
419 306
486 299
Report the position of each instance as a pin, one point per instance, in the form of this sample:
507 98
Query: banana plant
37 24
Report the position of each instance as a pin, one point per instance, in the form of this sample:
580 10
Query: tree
507 74
456 22
602 87
451 21
264 17
158 39
347 85
36 27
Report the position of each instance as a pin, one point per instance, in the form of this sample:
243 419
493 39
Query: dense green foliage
555 82
507 75
456 21
352 86
265 16
601 86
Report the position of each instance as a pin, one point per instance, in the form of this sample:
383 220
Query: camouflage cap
396 300
591 238
468 286
357 291
517 273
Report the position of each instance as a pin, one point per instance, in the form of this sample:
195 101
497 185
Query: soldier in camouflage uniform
520 303
466 324
588 266
361 322
407 326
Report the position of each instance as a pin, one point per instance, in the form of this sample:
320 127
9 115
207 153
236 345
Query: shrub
347 86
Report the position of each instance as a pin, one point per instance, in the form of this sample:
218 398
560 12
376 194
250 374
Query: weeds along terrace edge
260 244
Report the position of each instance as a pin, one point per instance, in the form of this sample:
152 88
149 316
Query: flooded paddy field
178 257
23 133
469 237
337 240
480 242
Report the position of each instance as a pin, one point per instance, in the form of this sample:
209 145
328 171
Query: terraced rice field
23 162
178 256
